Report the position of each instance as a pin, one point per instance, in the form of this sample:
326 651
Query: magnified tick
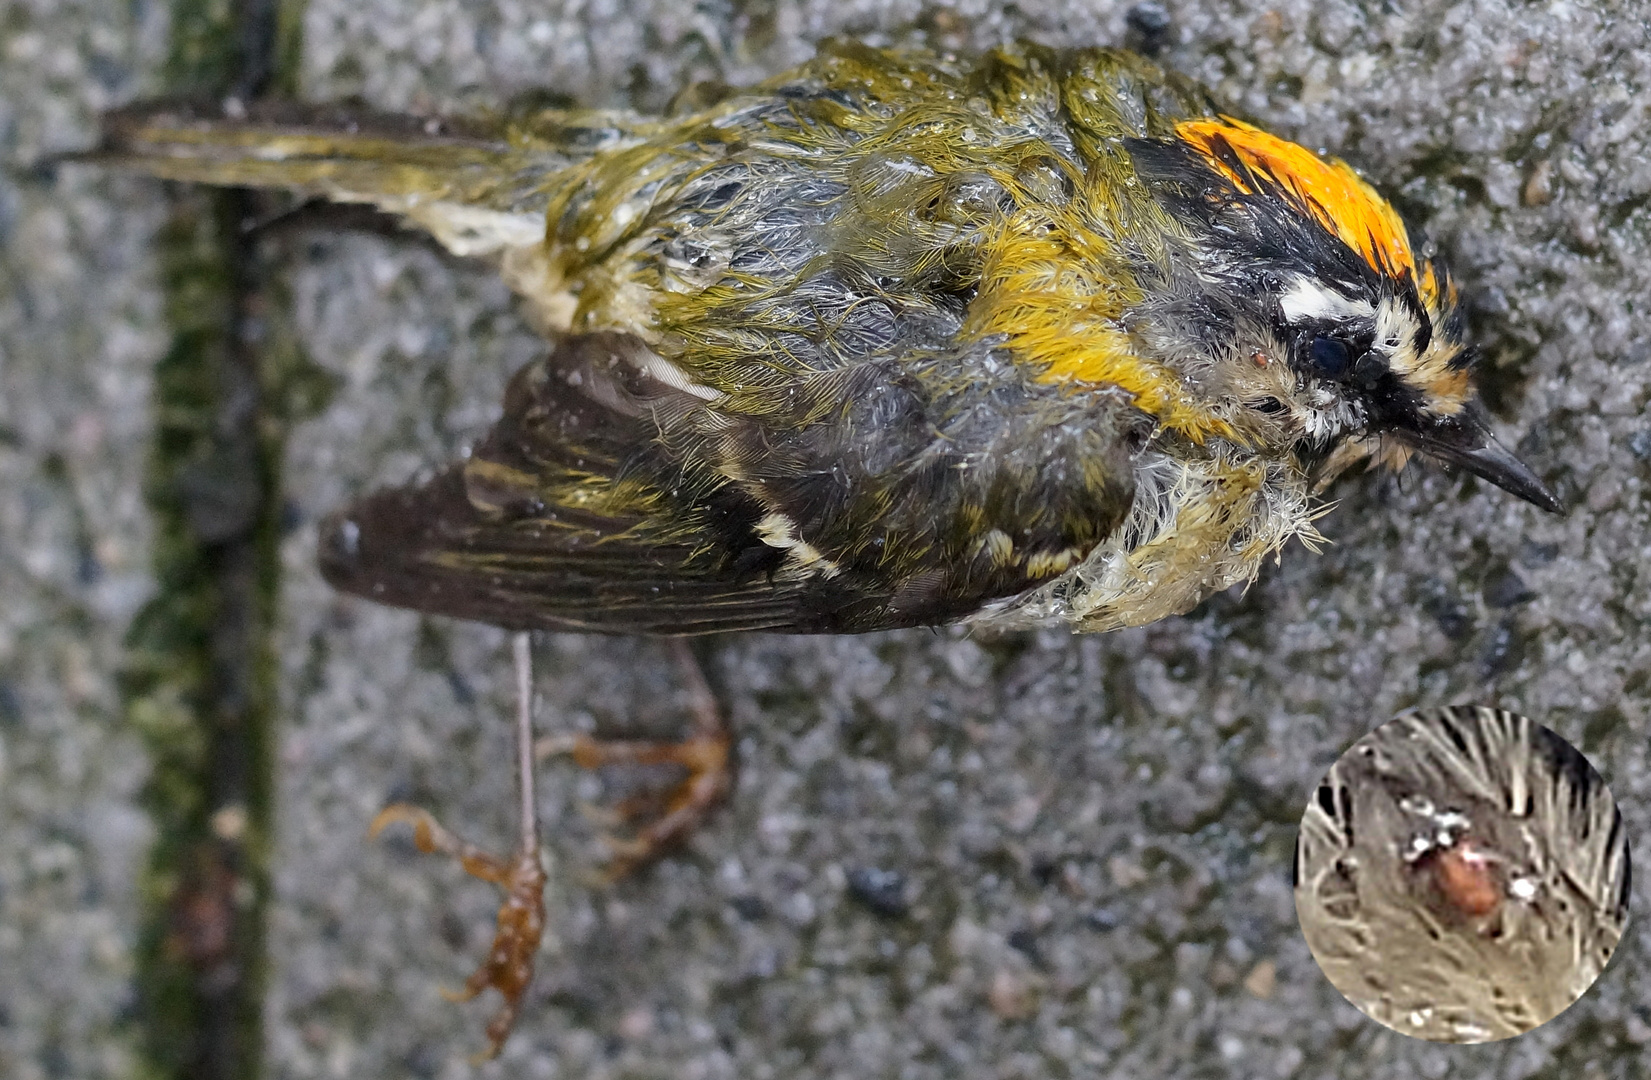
1466 877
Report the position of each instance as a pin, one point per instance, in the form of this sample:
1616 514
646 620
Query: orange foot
521 922
705 755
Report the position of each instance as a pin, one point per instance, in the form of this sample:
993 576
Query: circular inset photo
1462 874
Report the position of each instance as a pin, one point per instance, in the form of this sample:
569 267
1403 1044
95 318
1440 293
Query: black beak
1465 440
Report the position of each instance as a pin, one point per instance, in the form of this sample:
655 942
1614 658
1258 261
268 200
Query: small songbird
893 339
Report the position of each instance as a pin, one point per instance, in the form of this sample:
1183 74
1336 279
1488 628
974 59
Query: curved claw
508 967
664 821
509 964
564 745
661 823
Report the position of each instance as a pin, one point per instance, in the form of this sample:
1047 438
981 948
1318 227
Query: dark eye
1330 357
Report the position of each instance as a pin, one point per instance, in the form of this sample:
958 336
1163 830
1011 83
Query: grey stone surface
1094 833
79 334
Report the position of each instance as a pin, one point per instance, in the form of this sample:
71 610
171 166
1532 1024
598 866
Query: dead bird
893 339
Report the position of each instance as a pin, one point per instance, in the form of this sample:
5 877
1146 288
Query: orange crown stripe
1328 191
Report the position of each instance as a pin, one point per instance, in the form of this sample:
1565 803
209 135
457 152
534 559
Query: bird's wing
611 498
563 519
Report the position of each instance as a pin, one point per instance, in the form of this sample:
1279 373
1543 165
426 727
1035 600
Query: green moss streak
204 892
199 685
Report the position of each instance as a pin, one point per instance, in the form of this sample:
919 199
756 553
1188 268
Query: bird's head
1290 292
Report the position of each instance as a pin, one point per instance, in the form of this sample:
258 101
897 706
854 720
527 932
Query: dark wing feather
611 498
553 523
429 548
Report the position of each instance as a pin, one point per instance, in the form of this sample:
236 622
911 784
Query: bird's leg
521 921
704 754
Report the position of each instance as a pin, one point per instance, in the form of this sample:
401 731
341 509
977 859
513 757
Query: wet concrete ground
1090 837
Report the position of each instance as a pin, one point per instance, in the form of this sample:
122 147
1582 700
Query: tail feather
480 186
